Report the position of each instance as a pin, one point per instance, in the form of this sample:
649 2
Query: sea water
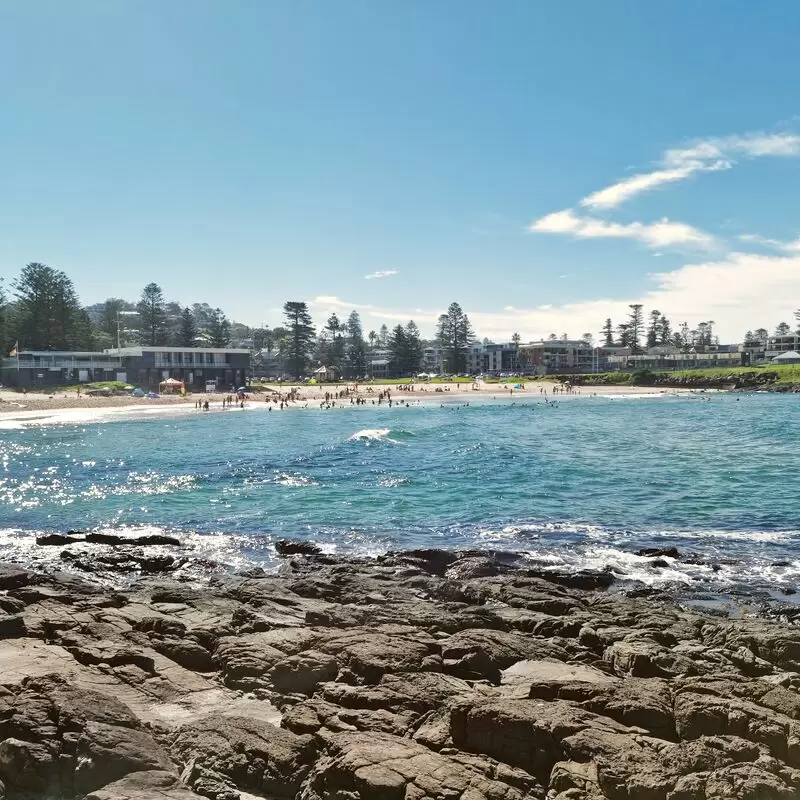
582 483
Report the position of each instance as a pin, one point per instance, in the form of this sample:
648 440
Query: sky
544 164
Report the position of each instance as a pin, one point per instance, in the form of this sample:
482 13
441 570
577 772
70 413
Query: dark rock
291 547
425 675
658 552
156 539
12 577
12 626
56 540
583 579
119 541
430 560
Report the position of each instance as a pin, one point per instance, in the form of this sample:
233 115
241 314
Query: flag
13 352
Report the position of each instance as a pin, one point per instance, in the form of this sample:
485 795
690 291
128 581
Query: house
144 366
788 357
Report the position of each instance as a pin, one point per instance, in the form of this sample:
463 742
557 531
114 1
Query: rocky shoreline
424 675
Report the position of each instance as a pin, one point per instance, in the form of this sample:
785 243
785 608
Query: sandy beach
13 402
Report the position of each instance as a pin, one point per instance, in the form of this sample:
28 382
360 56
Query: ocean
582 483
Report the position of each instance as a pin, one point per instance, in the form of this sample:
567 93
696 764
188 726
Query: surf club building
144 367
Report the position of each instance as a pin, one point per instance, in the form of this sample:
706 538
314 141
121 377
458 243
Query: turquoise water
582 483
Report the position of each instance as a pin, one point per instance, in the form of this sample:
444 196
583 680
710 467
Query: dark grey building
144 367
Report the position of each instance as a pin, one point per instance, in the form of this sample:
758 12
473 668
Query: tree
588 338
664 331
356 347
654 328
454 333
110 321
797 319
624 334
188 331
783 329
608 333
749 339
761 336
153 315
4 343
335 352
516 340
47 314
219 329
635 324
397 346
414 350
300 336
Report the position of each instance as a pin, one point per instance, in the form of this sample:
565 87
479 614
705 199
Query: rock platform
424 675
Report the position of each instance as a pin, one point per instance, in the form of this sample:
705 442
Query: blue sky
251 152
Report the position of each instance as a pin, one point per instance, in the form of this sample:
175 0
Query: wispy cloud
663 233
792 246
704 155
381 273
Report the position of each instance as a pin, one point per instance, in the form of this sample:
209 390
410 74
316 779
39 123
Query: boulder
246 754
293 547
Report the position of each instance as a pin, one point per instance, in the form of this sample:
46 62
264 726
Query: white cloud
663 233
381 273
705 155
738 291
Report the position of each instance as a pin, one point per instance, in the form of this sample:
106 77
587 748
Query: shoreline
16 406
414 675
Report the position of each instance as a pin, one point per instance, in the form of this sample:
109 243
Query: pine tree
153 315
664 331
46 310
653 329
4 343
635 323
414 351
454 333
188 331
356 347
624 334
335 352
300 336
398 349
608 333
219 329
783 329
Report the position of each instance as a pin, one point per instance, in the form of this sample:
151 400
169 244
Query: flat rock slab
426 675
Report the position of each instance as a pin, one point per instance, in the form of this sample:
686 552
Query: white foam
373 435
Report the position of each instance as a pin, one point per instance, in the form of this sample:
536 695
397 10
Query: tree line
638 333
342 347
41 310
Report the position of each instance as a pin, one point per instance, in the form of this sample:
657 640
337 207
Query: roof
791 355
137 351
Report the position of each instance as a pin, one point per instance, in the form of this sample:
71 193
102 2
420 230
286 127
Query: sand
19 404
